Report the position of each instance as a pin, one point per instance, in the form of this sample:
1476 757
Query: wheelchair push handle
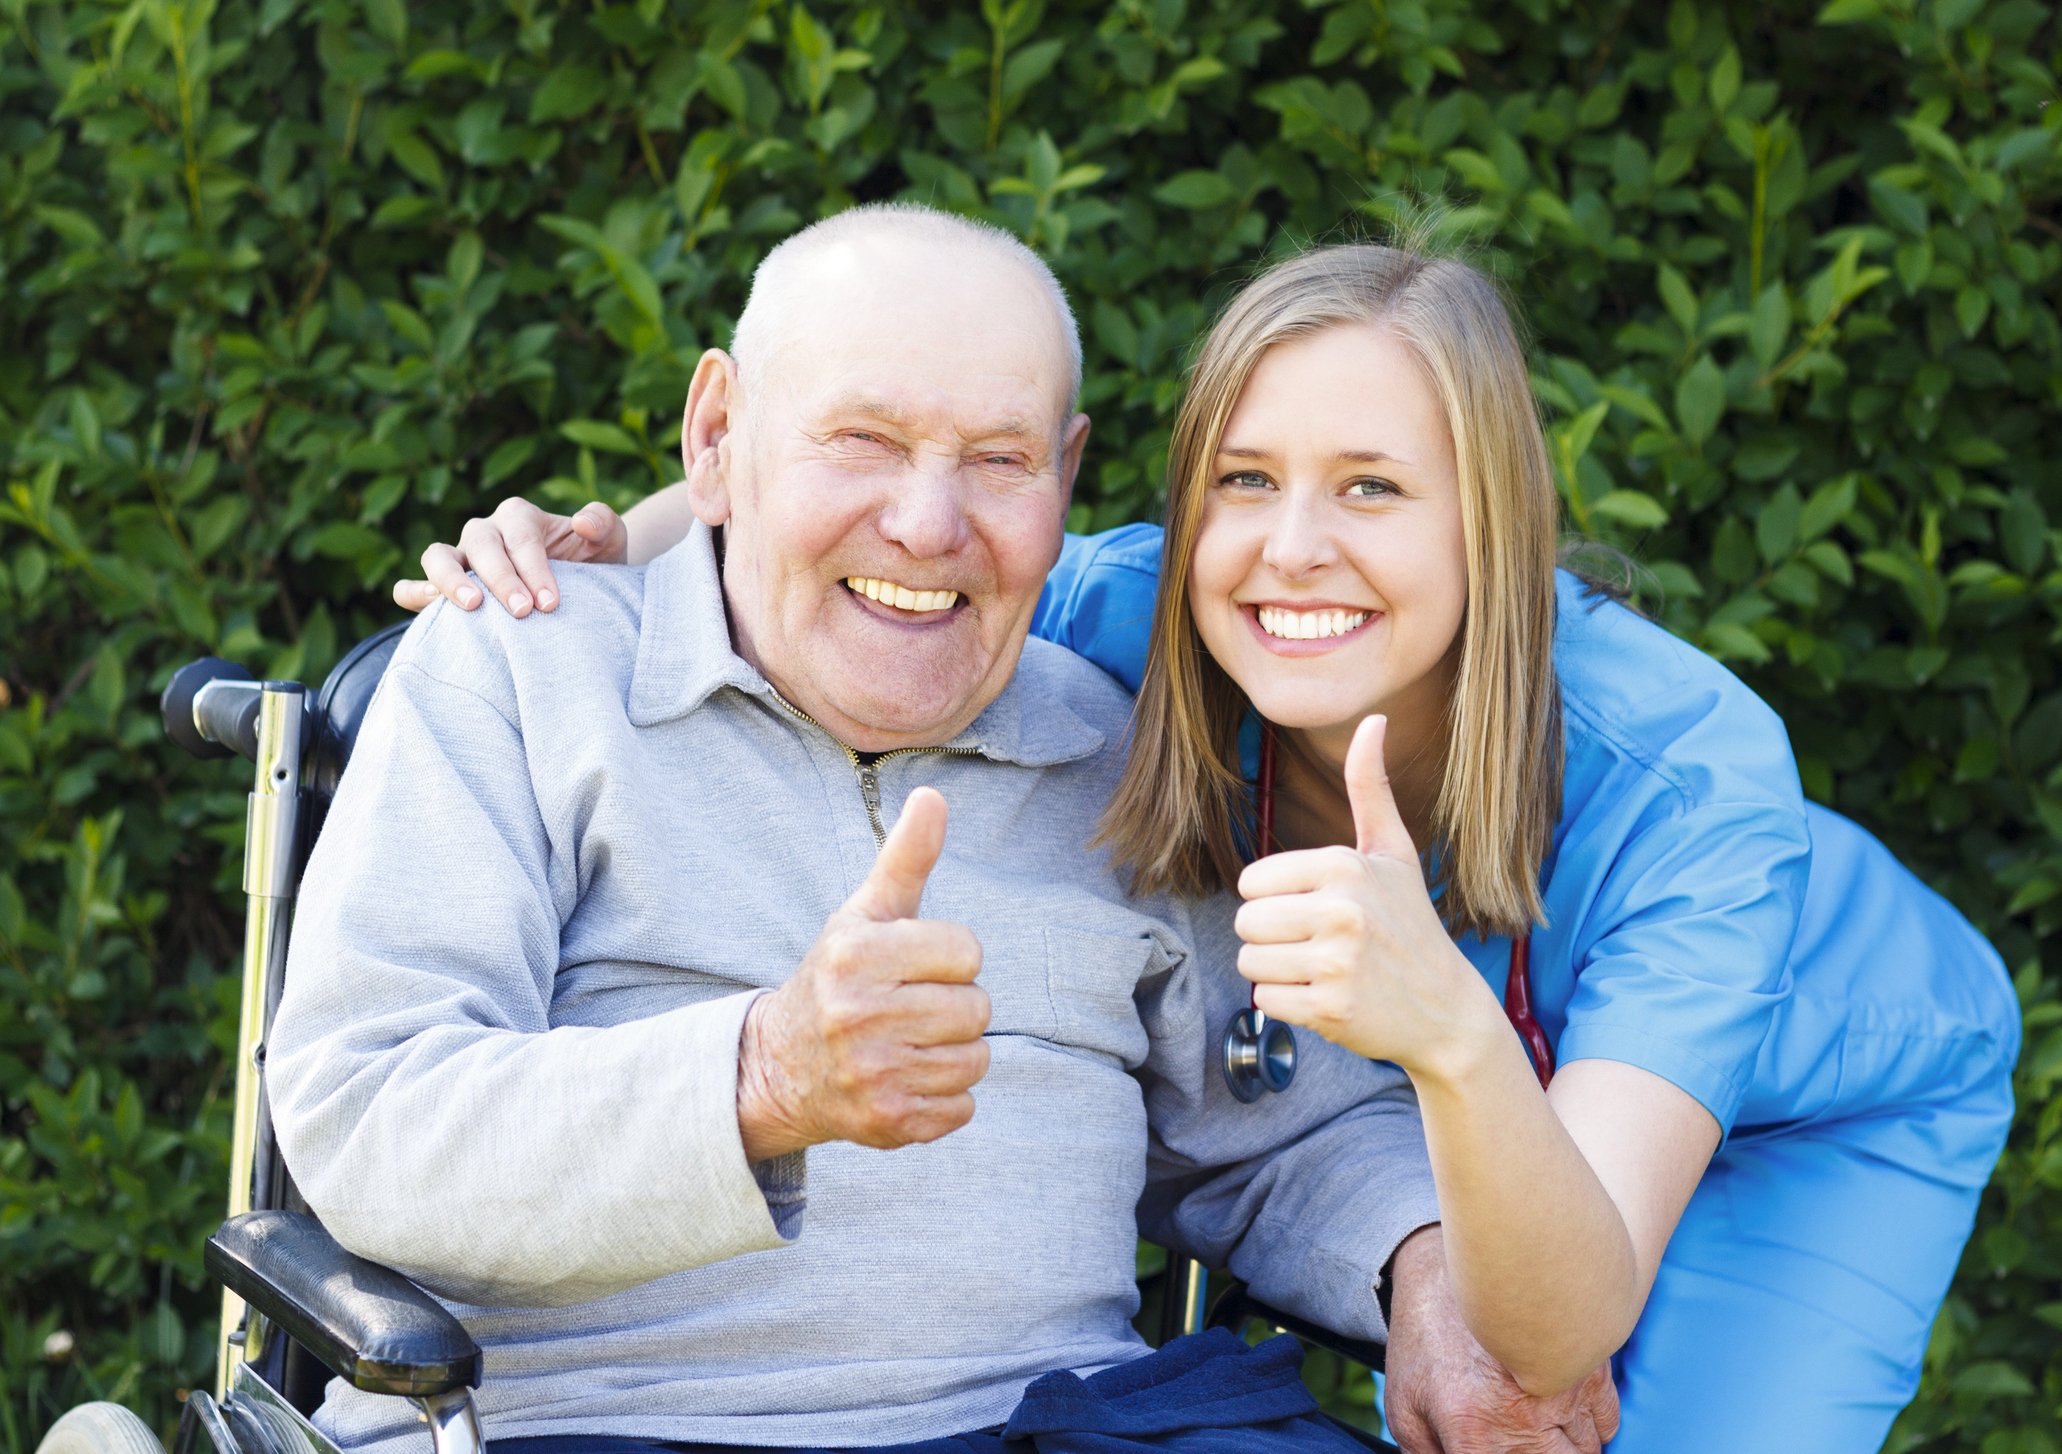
211 708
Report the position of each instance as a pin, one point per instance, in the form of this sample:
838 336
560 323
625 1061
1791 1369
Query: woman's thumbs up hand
1347 942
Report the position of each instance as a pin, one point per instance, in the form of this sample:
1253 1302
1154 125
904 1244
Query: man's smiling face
893 485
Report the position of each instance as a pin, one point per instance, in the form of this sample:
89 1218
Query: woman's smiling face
1329 578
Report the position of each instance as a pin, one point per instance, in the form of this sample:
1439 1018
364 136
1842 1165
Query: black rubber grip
232 720
371 1326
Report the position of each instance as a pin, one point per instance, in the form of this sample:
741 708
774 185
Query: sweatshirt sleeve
431 1114
1306 1194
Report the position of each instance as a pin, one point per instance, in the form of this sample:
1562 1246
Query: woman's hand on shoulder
511 552
1347 941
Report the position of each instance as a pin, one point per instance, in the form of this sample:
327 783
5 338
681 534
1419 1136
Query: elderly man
644 1005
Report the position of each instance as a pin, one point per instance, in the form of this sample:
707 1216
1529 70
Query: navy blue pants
1204 1394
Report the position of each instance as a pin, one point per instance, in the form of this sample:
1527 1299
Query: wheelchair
297 1308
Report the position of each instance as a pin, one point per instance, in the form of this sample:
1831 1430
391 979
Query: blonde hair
1175 820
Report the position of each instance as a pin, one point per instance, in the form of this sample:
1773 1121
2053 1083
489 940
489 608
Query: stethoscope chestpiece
1259 1055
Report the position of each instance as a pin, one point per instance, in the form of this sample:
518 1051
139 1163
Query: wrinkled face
1329 577
896 489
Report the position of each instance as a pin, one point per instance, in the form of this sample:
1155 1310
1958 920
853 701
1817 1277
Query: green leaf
1630 507
1769 328
1849 12
508 457
1725 80
1700 400
1680 299
1898 207
462 263
389 21
1829 505
1194 190
572 89
1776 524
596 435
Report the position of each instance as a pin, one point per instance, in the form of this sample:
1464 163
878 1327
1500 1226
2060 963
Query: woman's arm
511 550
1556 1208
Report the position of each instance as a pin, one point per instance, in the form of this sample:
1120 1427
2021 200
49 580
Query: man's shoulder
1055 674
589 641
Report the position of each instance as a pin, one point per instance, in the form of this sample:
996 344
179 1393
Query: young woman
1760 1073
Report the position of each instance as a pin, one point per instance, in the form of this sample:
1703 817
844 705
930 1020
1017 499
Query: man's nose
927 514
1299 538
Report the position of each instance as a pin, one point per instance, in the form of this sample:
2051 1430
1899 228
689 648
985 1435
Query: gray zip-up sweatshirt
569 851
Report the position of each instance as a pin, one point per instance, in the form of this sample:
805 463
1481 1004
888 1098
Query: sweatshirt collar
684 657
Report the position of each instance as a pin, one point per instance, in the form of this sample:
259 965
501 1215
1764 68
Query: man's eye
1003 461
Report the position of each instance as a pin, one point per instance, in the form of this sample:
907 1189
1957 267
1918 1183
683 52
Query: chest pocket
1093 979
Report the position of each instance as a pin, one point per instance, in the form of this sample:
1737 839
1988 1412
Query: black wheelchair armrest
368 1324
1237 1307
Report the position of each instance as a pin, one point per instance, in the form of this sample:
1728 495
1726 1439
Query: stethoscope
1260 1054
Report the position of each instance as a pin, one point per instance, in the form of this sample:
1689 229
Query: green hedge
288 289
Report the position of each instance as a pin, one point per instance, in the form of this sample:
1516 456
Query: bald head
887 255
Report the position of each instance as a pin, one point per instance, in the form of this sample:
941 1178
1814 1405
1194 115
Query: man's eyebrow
872 407
1349 456
1014 426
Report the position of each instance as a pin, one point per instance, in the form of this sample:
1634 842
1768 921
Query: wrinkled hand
877 1036
1347 941
1443 1394
511 551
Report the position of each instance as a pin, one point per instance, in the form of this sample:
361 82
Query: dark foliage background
288 289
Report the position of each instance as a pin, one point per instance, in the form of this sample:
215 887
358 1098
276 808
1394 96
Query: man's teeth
1308 625
901 597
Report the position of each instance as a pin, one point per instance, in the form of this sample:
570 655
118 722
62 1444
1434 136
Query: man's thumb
1378 827
895 887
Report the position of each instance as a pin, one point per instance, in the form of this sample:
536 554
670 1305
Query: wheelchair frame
296 1306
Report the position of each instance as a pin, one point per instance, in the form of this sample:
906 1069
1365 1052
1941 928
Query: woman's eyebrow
1351 456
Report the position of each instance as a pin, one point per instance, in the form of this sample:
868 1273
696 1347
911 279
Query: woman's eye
1371 489
1246 480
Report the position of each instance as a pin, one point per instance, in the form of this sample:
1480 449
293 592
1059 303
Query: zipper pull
870 789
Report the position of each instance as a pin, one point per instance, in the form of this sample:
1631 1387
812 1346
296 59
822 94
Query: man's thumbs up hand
876 1038
1346 941
895 887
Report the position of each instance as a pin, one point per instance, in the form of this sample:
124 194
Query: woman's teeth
902 598
1308 625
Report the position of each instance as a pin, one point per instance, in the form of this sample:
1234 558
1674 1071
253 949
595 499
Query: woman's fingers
607 537
1286 919
486 551
445 568
1277 963
1299 872
524 535
413 595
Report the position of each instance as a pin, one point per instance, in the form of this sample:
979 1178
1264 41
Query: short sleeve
1098 599
1683 957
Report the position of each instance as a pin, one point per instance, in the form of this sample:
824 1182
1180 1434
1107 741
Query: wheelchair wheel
100 1429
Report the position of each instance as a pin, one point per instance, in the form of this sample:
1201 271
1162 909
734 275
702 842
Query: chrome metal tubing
1193 1285
272 826
454 1422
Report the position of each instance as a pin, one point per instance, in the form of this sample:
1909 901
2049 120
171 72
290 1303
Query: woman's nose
1298 541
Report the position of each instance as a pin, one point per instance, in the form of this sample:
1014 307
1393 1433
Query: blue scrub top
1704 922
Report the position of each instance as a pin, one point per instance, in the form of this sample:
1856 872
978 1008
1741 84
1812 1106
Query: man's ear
1072 441
705 426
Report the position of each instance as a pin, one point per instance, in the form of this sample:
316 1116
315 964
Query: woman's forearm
1540 1257
658 522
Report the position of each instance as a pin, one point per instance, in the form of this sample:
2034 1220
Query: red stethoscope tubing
1517 980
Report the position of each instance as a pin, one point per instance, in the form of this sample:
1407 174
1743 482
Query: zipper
868 773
